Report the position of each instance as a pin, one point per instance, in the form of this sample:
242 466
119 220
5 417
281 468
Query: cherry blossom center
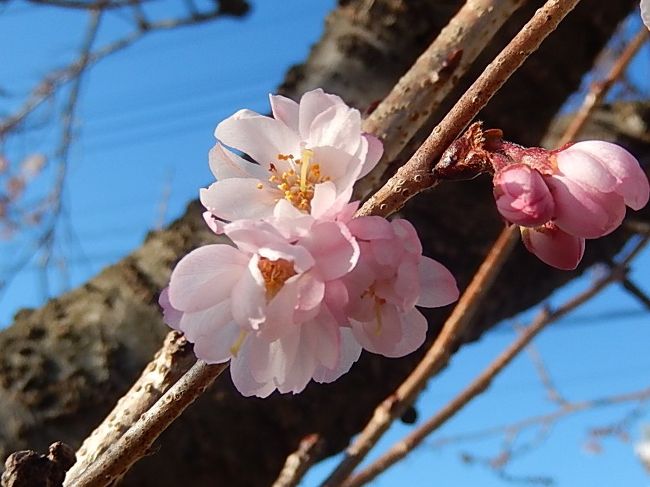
275 274
298 182
379 302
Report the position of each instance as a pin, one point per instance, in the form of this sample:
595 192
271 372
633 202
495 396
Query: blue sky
146 119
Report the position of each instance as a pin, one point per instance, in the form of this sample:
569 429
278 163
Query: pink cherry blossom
390 279
567 195
309 153
265 303
522 196
554 246
645 12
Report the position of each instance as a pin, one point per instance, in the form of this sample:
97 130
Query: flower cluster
560 198
306 285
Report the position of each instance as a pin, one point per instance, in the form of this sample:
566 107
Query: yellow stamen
307 155
234 349
275 274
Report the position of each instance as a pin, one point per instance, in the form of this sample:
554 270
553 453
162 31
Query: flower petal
249 297
262 138
373 154
371 228
240 371
206 276
349 352
171 316
285 110
202 323
238 198
585 212
334 249
632 182
339 126
583 168
522 196
437 285
225 164
553 246
414 332
312 104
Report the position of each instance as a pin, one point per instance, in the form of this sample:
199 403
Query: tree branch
484 380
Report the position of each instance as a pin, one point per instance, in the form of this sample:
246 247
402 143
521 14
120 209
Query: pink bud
522 196
554 246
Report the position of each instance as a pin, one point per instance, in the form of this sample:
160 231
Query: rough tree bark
63 366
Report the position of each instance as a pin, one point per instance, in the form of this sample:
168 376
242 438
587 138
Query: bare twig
483 381
170 363
545 419
416 175
54 80
427 83
299 462
552 391
92 5
137 441
599 89
26 468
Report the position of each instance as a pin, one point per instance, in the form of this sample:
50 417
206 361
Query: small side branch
417 174
299 462
484 380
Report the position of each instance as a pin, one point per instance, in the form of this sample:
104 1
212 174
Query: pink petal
407 284
409 236
585 212
632 181
382 334
336 299
583 168
349 352
225 164
285 110
274 361
334 249
341 167
206 276
373 155
371 228
522 196
339 126
311 292
250 235
280 312
213 223
347 212
324 198
299 375
249 297
645 12
312 104
437 285
171 316
414 332
208 321
321 337
553 246
224 199
262 138
240 371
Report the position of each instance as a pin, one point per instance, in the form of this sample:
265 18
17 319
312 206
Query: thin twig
299 461
434 360
484 380
599 89
420 92
169 364
81 5
137 441
416 175
545 419
54 80
552 391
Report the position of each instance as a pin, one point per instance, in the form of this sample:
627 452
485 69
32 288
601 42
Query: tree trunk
64 365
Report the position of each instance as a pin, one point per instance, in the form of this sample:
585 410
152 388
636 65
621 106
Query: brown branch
484 380
417 174
427 83
27 468
169 364
81 5
139 438
598 90
299 462
434 360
